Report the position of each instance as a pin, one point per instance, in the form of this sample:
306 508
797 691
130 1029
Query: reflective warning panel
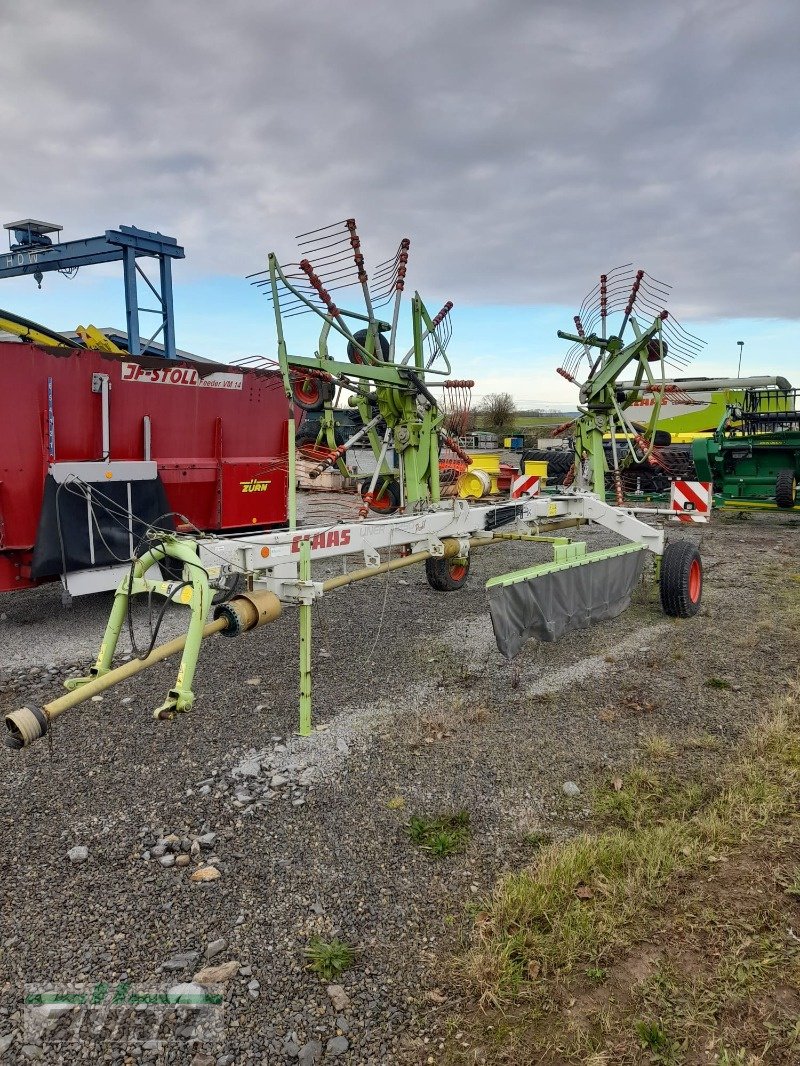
690 501
525 485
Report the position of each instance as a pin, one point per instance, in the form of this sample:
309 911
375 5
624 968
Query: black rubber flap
552 604
66 528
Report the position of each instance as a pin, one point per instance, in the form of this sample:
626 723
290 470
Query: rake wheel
447 575
681 580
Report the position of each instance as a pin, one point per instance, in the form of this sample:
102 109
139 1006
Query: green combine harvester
753 457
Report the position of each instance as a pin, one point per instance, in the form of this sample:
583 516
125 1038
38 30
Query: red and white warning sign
526 485
690 501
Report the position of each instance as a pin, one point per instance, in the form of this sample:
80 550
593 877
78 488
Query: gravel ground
308 835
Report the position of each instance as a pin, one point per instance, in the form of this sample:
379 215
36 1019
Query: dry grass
700 742
566 920
658 747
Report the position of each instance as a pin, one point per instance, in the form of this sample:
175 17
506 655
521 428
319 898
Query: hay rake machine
402 519
624 300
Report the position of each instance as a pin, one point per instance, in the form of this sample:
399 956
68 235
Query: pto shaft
243 612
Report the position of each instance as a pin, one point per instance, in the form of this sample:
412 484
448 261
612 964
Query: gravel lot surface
308 835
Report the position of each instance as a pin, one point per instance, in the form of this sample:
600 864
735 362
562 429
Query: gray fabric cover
549 606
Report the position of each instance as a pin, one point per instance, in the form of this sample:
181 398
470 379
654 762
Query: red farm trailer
97 448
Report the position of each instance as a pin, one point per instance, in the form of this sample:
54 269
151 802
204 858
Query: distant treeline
544 412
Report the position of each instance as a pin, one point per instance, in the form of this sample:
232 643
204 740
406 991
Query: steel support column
131 300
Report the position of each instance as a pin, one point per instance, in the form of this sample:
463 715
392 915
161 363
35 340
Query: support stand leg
116 620
305 645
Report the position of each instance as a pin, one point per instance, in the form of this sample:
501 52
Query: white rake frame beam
272 559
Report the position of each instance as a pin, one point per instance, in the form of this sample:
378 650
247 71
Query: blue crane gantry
32 251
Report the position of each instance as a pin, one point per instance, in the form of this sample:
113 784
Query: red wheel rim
307 390
382 500
695 580
458 571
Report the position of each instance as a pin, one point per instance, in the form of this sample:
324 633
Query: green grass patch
440 836
328 959
537 838
717 682
652 1035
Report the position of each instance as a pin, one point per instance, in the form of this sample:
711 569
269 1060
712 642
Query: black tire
387 495
648 478
355 356
786 489
661 438
447 575
307 434
558 462
311 393
681 581
678 458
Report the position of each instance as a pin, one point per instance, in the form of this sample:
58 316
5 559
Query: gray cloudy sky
524 145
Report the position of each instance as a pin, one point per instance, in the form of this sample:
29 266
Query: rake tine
400 281
321 229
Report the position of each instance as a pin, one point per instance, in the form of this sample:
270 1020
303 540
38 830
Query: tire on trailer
534 455
786 489
387 495
560 468
311 393
308 433
681 580
447 575
649 478
678 458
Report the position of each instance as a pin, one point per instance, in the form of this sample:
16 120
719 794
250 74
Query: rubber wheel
355 356
447 575
311 393
647 478
786 489
661 438
387 495
558 462
681 582
307 434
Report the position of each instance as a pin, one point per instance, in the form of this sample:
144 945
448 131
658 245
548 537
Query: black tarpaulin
75 533
563 599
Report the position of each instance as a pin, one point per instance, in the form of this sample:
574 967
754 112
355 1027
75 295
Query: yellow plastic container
488 461
536 468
